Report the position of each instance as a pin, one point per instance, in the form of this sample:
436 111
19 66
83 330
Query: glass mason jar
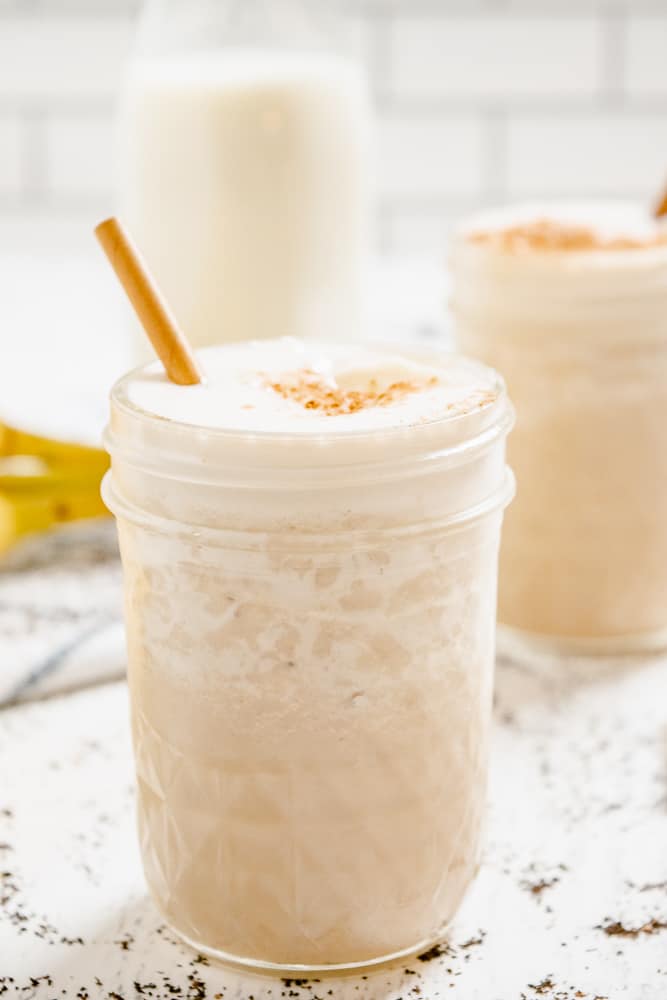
244 167
576 320
310 623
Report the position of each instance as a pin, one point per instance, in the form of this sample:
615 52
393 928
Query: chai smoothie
569 301
309 546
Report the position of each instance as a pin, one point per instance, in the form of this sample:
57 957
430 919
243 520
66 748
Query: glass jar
310 624
244 167
577 324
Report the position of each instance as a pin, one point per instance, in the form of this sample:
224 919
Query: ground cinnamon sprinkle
617 929
548 235
314 392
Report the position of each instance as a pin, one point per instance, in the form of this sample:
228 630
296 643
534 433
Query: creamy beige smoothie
309 545
569 302
245 179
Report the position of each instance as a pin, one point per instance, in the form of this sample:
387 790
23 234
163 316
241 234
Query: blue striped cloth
61 612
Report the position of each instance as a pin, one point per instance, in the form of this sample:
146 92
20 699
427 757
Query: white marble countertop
571 901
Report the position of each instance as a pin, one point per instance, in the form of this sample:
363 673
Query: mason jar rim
358 538
119 396
462 437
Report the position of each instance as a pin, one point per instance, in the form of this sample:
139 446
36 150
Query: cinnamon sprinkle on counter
616 929
548 235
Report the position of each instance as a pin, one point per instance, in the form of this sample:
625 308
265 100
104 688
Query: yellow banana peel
15 442
45 482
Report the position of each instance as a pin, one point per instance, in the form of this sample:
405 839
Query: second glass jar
578 327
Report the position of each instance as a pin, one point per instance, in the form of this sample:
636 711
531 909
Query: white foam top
607 233
594 249
607 219
298 387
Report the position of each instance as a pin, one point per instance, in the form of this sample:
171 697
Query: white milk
309 549
245 183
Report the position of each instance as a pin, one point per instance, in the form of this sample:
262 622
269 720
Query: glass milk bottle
244 167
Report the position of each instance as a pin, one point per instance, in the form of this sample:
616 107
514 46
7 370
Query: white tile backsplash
608 154
478 101
79 155
646 59
495 58
47 58
10 155
418 231
425 157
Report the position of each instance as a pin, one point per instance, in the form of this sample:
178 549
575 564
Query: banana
44 482
54 480
39 511
15 442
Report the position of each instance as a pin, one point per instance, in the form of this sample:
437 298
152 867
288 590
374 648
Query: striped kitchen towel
61 612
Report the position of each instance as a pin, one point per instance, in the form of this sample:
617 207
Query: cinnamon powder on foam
313 392
545 234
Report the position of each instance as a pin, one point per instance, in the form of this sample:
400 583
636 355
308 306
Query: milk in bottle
244 170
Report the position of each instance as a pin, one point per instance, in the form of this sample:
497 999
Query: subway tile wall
478 102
